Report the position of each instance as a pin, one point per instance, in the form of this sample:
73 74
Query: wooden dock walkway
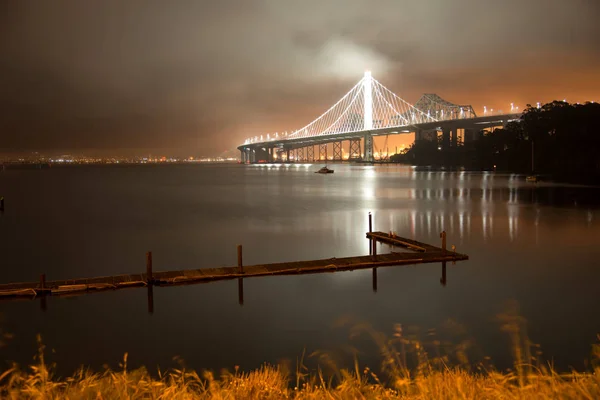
422 253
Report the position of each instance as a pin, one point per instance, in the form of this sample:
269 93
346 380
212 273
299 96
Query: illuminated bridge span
369 109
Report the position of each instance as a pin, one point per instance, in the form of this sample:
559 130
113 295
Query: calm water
538 245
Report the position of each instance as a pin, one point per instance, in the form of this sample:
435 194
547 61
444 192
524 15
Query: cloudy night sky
198 77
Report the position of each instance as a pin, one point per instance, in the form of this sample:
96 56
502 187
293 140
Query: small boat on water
533 179
324 170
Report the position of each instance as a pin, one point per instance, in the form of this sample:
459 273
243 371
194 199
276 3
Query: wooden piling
149 267
370 230
1 203
239 254
443 236
374 249
43 282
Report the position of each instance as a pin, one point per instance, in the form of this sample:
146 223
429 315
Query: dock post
374 250
239 251
43 282
443 236
370 231
1 203
149 278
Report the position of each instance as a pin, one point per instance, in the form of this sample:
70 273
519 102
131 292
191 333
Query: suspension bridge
369 110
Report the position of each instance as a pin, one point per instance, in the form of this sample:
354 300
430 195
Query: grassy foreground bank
429 379
410 369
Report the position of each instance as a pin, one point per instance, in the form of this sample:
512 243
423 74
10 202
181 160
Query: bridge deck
426 254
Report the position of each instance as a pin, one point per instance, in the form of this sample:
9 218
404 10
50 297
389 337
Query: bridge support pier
337 151
454 137
368 148
323 152
310 153
300 155
355 152
243 156
287 156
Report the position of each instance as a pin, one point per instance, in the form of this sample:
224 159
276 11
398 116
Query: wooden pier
421 253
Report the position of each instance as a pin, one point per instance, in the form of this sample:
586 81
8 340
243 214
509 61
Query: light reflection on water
533 243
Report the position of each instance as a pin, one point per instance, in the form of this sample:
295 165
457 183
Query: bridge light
539 105
484 109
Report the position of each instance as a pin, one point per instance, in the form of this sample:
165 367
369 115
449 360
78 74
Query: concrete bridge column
243 156
287 155
418 135
368 148
280 155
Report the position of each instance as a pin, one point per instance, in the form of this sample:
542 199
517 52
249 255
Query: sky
198 77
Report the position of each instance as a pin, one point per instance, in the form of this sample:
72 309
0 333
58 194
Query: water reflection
150 299
193 217
443 278
375 280
241 291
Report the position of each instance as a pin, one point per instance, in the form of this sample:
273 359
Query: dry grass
428 378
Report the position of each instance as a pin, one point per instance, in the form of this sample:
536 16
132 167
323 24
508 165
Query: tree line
557 139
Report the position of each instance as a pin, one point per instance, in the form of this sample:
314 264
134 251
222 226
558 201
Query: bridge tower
368 115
